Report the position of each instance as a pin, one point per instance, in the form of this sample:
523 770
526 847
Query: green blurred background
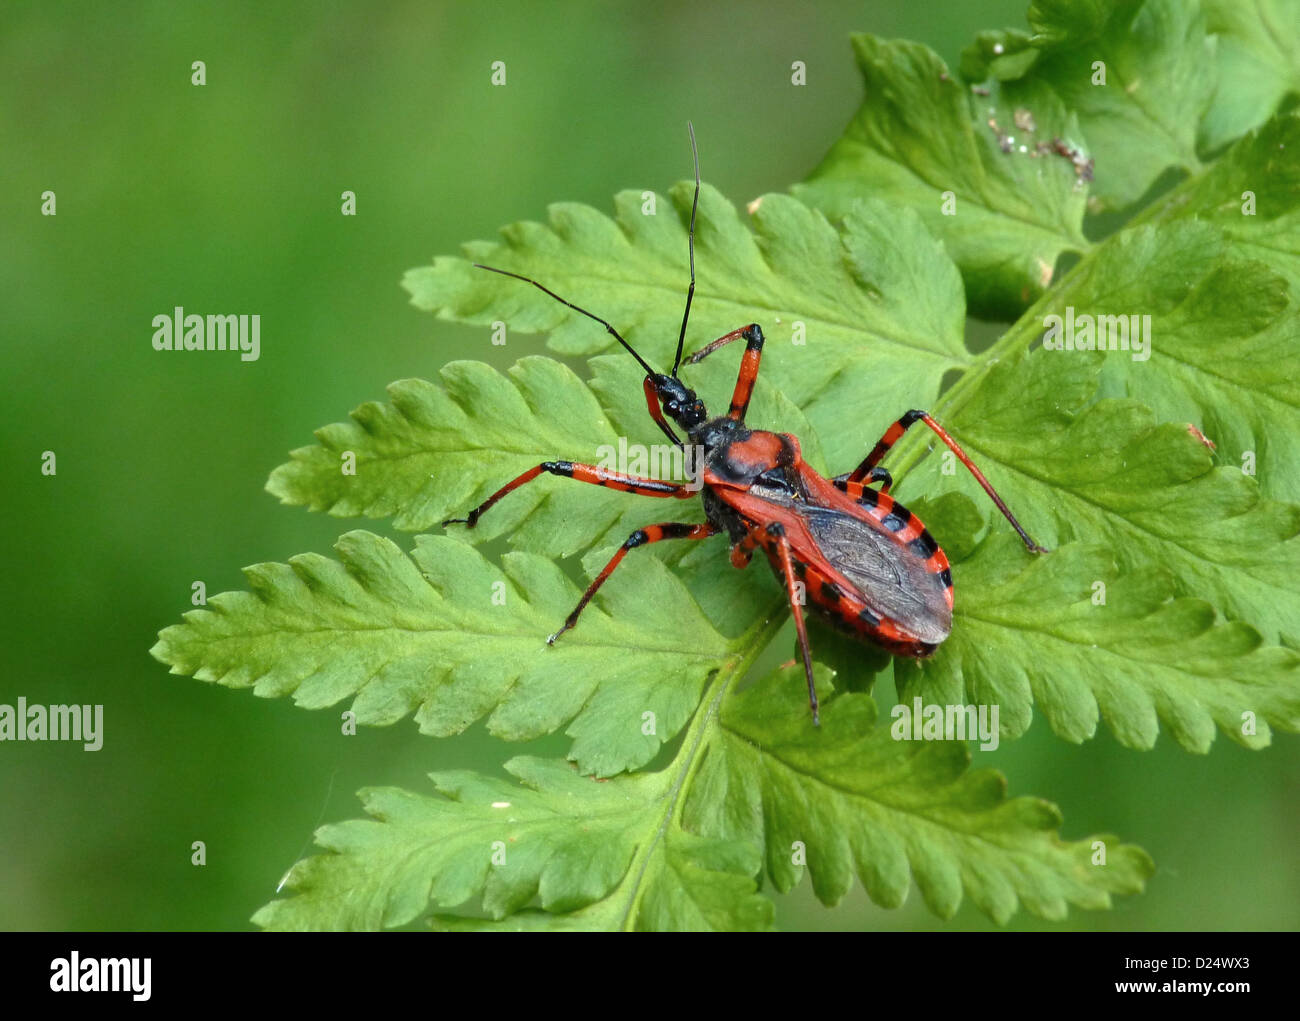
226 198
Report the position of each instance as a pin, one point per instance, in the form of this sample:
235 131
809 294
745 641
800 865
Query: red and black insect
863 560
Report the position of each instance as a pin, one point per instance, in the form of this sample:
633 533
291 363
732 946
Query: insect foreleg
753 337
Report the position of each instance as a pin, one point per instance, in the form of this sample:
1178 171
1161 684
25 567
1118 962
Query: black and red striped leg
776 532
753 337
657 412
641 537
892 435
743 551
874 475
583 473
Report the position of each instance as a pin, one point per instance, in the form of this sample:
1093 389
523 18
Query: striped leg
583 473
874 474
781 547
641 537
753 337
657 413
743 551
868 469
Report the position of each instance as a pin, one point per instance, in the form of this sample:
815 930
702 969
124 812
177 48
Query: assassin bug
864 560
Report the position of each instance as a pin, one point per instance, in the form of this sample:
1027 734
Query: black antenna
690 245
528 280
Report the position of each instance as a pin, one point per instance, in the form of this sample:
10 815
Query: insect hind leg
874 475
892 435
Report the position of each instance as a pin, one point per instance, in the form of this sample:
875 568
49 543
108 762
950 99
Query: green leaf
1061 21
920 134
1142 119
447 636
1000 55
679 849
1248 403
1195 560
1252 194
1203 300
1119 646
1258 58
876 308
436 452
1075 468
1149 488
592 855
1152 113
856 800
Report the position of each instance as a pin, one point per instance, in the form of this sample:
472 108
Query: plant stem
688 758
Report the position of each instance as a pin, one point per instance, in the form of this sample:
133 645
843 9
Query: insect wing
889 579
